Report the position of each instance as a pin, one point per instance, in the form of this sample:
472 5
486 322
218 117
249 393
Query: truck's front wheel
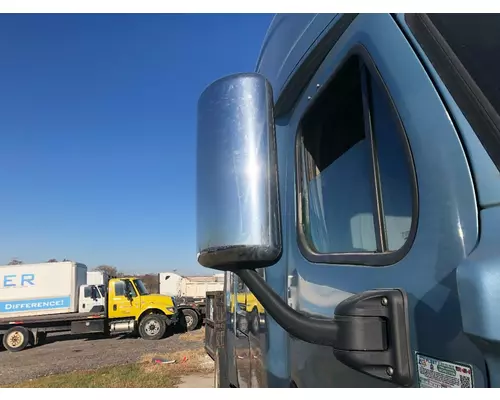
16 338
153 326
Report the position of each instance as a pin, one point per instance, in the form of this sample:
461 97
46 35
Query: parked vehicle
173 284
189 293
36 299
361 160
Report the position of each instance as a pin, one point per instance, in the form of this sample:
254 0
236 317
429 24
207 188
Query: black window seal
379 221
476 108
306 70
380 259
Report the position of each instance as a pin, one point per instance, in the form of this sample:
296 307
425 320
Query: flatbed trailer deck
48 318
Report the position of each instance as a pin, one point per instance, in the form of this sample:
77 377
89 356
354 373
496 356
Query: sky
98 133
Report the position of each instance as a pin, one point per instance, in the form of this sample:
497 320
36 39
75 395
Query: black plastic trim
88 326
381 259
305 72
481 115
398 356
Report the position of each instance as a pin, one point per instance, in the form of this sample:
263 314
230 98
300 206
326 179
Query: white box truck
36 299
190 294
40 289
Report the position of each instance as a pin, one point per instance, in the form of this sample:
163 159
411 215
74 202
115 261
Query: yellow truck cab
131 304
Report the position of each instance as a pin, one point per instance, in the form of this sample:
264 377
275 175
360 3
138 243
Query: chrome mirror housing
238 216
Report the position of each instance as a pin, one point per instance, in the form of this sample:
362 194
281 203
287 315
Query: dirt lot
65 354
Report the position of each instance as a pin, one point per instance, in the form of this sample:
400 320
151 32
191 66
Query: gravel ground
66 353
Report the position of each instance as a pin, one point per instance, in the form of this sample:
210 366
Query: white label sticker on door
434 373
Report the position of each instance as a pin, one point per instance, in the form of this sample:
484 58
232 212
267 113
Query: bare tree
150 281
15 261
110 270
52 260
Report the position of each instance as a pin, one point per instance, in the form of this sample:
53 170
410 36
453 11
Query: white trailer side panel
173 284
40 289
97 278
199 289
170 283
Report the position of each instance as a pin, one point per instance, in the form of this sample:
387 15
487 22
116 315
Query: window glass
340 199
141 287
394 174
338 169
130 288
87 292
120 288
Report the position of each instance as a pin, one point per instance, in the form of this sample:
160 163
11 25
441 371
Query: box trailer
40 289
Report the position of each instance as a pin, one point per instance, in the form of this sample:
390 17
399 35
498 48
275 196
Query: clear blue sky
97 130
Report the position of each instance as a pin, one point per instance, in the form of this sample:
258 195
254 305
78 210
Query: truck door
91 299
123 299
384 198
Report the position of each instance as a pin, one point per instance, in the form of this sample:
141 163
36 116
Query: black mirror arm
369 332
312 330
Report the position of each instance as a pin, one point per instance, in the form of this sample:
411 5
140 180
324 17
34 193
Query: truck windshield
465 51
140 287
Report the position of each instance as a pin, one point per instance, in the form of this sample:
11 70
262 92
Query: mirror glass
238 218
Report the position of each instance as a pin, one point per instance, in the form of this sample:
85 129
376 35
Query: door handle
114 307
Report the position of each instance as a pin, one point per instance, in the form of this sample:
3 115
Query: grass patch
194 336
143 374
121 376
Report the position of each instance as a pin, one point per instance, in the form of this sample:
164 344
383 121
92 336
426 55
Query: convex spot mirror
238 217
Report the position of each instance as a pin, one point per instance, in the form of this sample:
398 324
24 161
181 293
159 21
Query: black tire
153 327
191 319
16 339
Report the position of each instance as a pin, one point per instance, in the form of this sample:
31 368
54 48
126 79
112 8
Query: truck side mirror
93 293
238 216
239 230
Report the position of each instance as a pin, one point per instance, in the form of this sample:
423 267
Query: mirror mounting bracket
369 332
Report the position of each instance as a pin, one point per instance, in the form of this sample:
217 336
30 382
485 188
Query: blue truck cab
350 189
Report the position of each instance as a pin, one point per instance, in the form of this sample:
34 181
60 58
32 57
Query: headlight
171 309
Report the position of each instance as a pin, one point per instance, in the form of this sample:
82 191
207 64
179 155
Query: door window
355 170
87 293
120 288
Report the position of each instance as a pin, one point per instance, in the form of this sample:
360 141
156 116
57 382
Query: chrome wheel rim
15 339
152 328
